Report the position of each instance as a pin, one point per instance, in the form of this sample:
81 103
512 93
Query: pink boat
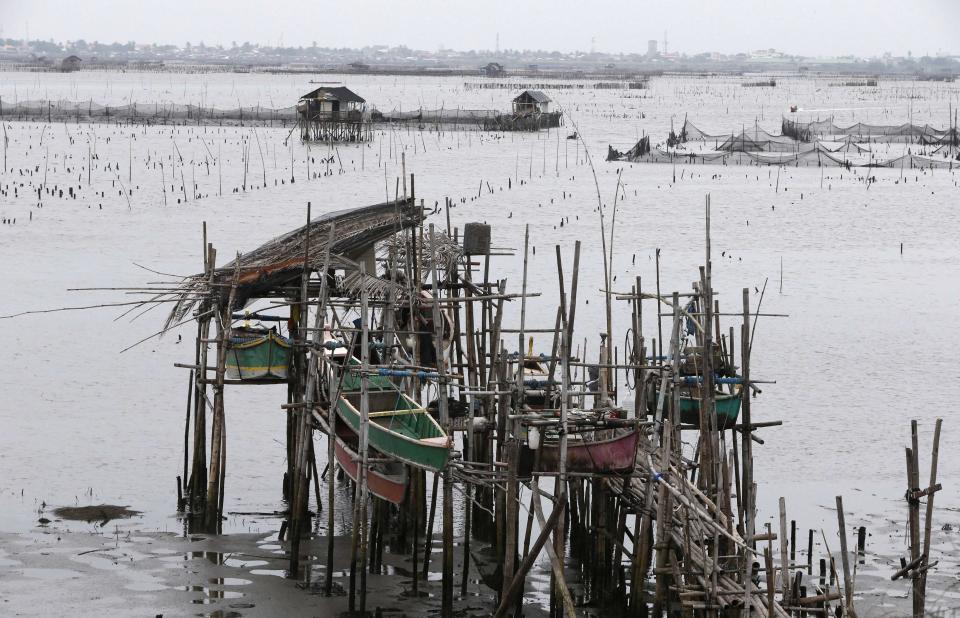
601 451
387 481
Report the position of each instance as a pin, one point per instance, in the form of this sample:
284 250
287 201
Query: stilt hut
531 102
70 64
333 115
531 112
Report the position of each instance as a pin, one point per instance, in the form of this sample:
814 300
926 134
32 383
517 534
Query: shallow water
866 348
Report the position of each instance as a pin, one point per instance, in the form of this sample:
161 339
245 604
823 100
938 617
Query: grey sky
809 27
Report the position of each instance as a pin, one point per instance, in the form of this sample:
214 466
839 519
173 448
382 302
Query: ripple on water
50 574
146 587
241 564
229 581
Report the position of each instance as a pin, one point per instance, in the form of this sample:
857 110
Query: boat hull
391 487
727 406
728 410
599 455
257 357
408 434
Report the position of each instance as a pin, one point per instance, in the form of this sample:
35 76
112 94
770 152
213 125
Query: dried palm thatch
444 251
281 260
354 283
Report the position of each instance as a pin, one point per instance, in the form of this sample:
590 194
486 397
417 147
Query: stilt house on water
531 112
333 114
531 102
70 64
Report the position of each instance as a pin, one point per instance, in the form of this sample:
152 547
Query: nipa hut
332 114
531 102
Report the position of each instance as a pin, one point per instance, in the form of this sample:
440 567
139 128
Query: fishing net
160 113
456 118
817 143
903 133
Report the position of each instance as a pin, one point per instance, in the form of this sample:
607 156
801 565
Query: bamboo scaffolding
432 323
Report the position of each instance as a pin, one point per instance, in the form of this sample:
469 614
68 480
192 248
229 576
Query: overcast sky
808 27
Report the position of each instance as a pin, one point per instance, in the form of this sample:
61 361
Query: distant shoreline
560 73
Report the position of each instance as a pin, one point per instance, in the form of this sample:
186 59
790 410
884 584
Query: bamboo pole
333 388
428 540
512 452
784 564
198 476
181 501
364 440
747 499
212 513
928 519
515 585
297 422
447 575
845 558
913 486
304 426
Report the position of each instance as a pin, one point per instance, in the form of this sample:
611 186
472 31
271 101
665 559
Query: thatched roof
532 96
281 260
337 93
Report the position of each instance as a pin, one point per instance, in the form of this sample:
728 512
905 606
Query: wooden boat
727 405
597 451
399 427
537 395
257 353
387 481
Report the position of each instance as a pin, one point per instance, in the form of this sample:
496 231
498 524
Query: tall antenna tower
665 50
593 44
498 42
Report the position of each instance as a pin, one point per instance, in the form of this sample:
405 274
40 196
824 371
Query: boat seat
398 412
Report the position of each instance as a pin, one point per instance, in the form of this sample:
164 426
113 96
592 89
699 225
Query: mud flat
78 570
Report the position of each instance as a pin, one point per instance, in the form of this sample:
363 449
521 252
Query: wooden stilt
224 313
845 559
447 575
181 502
928 519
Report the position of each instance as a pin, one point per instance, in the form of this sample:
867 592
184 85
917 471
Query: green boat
727 405
399 427
257 353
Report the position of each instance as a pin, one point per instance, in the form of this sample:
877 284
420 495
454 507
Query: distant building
767 54
70 63
493 69
651 48
531 102
359 66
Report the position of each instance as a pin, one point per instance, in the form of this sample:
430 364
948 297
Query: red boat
599 451
387 481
